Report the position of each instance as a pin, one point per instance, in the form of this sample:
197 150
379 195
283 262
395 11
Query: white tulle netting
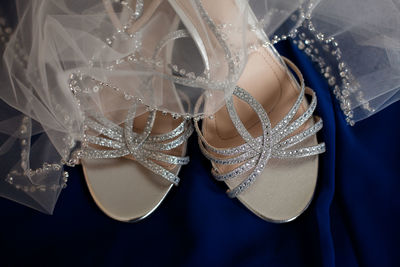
66 58
354 43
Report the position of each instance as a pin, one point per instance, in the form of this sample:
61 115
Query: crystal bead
23 129
332 81
301 45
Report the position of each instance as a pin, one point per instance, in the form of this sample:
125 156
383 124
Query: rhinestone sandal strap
239 124
228 161
300 153
134 143
265 150
117 141
244 168
172 134
166 158
157 169
222 151
105 122
116 133
103 130
91 153
301 120
249 155
294 140
241 129
104 142
292 112
172 144
255 153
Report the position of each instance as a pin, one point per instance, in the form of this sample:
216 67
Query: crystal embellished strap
254 154
247 153
123 141
266 146
117 141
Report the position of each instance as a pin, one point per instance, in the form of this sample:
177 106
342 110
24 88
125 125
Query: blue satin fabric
353 220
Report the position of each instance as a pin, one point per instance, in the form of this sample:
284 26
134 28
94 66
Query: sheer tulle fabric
67 59
369 37
364 48
70 58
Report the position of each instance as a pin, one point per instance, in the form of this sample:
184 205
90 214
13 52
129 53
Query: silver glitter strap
254 154
109 140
